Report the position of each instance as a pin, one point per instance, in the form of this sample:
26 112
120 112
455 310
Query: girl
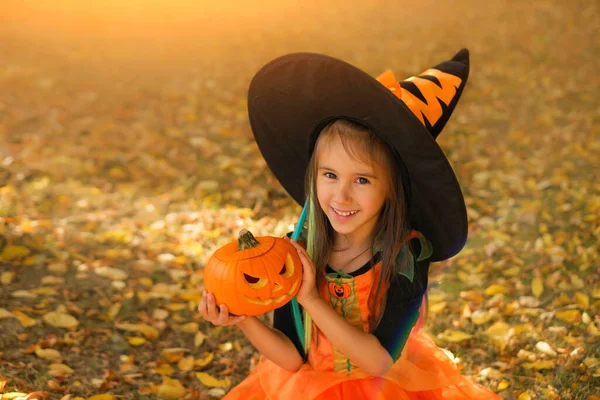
382 203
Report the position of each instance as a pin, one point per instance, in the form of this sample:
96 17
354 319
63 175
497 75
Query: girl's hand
308 289
217 315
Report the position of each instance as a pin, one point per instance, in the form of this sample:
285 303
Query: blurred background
125 143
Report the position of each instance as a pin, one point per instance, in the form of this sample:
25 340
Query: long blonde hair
392 224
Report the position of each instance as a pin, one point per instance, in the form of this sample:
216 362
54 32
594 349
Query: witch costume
290 100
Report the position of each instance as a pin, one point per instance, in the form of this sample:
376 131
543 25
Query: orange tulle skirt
423 372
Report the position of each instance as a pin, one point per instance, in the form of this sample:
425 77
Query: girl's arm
362 348
272 343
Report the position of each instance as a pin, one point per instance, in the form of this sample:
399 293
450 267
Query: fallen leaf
210 381
454 336
569 315
61 320
4 313
539 365
48 354
136 340
7 277
582 300
58 369
186 363
24 319
104 396
203 362
537 287
170 389
111 273
495 289
190 327
545 348
11 252
174 354
199 339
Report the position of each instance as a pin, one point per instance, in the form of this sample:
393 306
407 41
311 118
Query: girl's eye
329 175
362 181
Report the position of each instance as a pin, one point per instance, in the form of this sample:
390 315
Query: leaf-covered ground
126 159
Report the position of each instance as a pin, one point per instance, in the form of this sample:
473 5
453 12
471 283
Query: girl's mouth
343 214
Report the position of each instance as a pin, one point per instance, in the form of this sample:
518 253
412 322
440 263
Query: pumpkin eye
255 282
288 268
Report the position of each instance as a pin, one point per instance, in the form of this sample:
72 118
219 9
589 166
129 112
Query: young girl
382 203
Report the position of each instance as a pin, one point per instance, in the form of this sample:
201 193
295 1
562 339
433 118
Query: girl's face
350 192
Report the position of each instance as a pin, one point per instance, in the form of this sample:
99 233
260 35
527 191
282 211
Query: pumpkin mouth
273 300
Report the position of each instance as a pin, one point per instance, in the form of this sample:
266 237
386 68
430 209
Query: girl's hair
392 224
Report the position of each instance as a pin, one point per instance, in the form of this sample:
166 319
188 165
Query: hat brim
292 97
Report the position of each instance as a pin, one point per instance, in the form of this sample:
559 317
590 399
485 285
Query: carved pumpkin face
255 275
340 290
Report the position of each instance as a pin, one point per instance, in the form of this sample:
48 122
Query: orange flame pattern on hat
432 109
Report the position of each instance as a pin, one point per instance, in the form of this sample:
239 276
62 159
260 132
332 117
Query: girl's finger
202 306
212 308
223 318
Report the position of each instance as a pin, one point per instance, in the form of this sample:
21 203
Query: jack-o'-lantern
340 290
254 275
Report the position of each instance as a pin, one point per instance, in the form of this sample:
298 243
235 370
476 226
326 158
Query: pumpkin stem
246 240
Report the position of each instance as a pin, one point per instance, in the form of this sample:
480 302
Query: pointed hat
292 98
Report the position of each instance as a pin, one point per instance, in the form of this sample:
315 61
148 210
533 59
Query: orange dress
423 371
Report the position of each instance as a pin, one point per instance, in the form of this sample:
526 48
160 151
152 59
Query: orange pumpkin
254 275
340 290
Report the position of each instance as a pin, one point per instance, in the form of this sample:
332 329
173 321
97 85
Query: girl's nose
343 194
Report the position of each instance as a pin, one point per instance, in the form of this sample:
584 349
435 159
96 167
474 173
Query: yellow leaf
61 320
24 319
596 293
160 314
210 381
173 354
11 252
170 389
199 339
146 330
5 313
537 287
58 369
454 336
593 330
539 365
499 333
164 369
203 362
479 317
524 396
48 354
190 327
186 363
582 300
437 307
104 396
495 289
136 340
569 315
113 311
6 277
227 346
503 385
149 332
513 271
191 296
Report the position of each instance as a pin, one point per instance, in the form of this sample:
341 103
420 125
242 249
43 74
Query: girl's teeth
344 214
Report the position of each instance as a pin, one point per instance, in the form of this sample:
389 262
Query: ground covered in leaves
126 159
